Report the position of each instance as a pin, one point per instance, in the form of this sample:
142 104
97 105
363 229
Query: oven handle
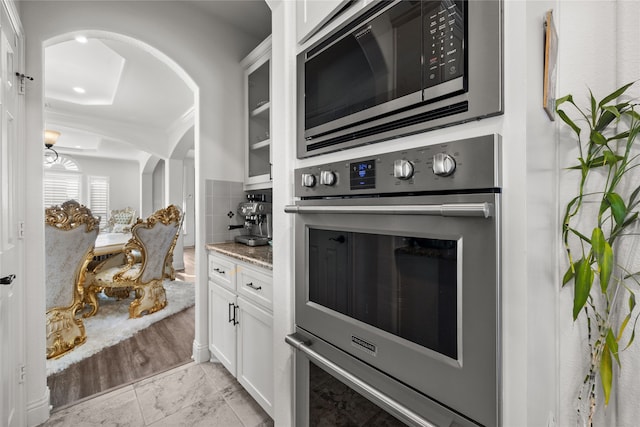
365 388
448 209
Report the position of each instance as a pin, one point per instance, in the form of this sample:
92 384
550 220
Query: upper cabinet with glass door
257 67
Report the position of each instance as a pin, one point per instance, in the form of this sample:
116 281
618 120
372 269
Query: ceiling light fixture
79 90
50 138
81 39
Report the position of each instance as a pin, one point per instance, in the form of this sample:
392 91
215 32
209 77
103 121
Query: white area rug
112 324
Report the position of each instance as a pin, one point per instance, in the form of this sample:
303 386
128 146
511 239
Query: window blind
60 187
99 198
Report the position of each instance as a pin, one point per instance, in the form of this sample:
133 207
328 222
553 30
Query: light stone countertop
261 256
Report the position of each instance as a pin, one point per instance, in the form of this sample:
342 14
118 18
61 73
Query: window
62 181
99 198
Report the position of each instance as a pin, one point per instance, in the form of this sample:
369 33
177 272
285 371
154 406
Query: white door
12 325
255 353
222 326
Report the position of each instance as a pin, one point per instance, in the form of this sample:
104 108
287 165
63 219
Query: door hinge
20 229
22 374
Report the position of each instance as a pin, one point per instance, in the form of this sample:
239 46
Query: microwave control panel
444 42
469 164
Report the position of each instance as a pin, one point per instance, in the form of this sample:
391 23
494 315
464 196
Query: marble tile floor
195 395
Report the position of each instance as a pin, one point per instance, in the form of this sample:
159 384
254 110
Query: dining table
110 243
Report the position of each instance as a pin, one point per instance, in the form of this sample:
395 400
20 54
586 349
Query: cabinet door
311 15
255 350
258 159
222 326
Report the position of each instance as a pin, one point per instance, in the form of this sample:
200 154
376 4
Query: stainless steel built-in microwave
400 67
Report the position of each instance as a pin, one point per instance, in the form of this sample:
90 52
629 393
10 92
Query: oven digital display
363 175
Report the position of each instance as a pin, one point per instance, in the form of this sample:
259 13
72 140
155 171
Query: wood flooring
160 347
163 345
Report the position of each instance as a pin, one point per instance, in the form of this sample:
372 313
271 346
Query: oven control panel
468 164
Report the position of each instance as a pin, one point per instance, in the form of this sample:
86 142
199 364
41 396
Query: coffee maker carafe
257 220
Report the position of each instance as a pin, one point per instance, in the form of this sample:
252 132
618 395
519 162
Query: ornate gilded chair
141 267
121 220
70 235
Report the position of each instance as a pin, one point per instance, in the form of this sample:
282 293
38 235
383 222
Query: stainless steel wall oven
397 281
400 67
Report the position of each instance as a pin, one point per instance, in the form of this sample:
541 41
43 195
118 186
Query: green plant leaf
613 110
604 257
622 135
614 95
583 282
605 120
611 158
606 267
613 345
568 275
597 138
597 242
606 373
568 121
617 207
633 196
567 98
632 301
623 326
630 220
633 114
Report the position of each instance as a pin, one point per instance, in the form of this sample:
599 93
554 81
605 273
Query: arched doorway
146 155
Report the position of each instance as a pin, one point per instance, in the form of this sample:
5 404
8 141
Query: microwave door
375 69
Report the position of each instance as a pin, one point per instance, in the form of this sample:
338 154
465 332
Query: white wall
124 179
207 54
157 188
602 61
189 202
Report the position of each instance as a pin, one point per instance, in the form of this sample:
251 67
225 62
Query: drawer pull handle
251 285
217 270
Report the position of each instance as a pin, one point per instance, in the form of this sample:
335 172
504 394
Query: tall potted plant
597 225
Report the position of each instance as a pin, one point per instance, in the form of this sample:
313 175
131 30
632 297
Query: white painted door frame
12 210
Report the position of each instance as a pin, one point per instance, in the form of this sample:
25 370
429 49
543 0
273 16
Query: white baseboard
201 352
38 411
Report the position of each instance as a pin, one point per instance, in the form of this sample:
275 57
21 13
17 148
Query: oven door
409 286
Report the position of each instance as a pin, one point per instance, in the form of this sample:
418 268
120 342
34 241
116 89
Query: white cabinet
311 15
241 324
257 110
255 352
222 326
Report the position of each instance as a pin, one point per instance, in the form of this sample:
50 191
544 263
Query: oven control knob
402 169
443 164
327 178
308 180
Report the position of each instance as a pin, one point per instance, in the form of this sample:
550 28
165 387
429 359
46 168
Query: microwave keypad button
327 178
402 169
308 180
443 164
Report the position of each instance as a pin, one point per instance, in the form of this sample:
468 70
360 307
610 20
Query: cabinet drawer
222 272
255 286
